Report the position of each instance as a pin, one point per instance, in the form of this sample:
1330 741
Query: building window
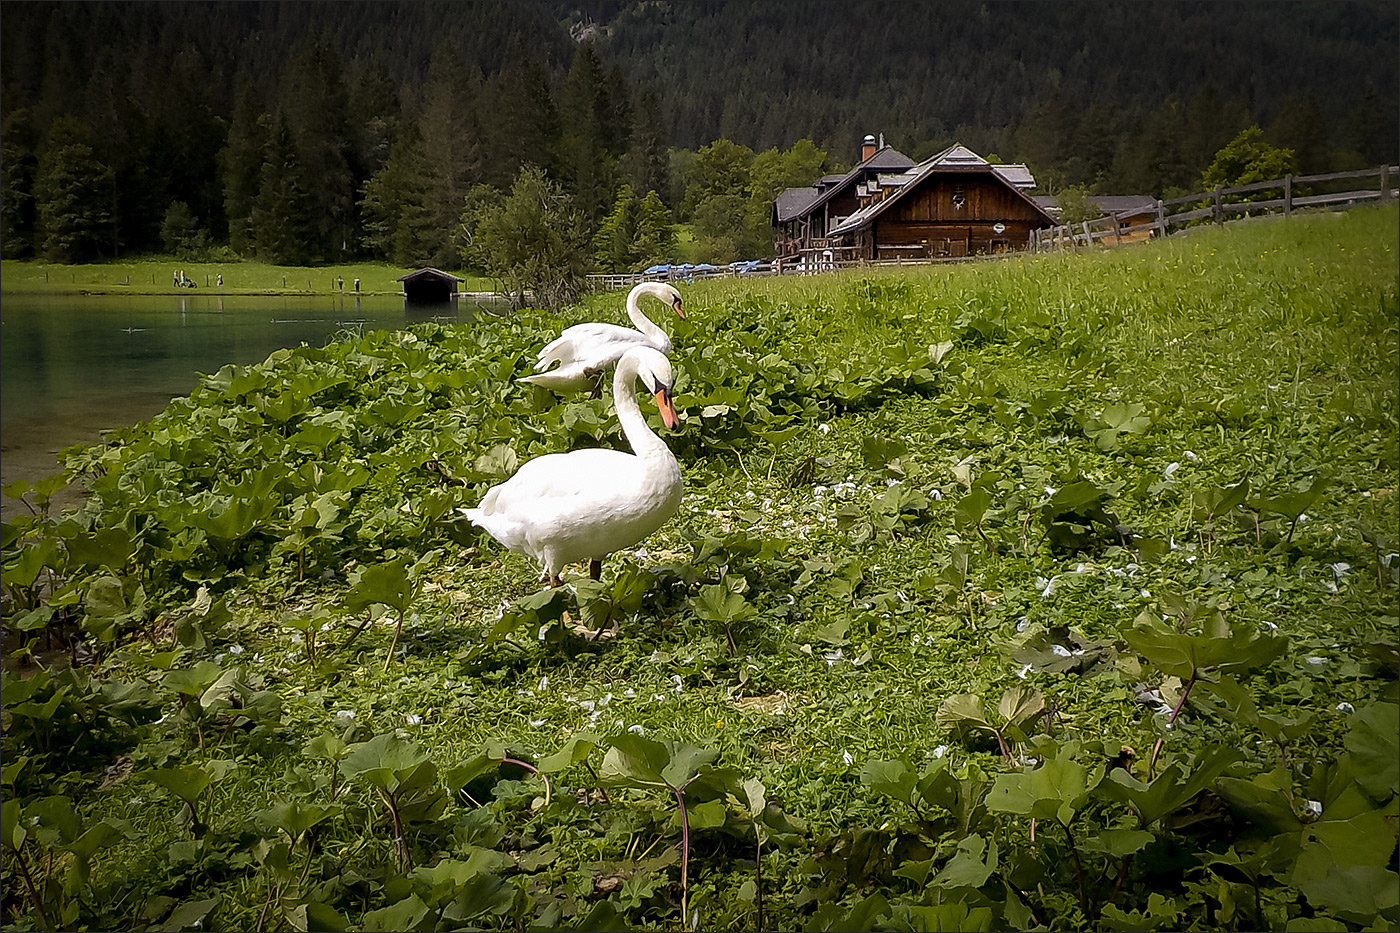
959 197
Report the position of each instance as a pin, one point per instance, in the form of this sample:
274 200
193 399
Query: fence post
1288 195
1216 213
1088 237
1385 183
1161 220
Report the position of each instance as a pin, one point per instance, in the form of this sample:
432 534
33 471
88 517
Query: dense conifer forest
313 132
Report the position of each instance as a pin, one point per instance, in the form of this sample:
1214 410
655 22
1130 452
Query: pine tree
241 162
399 207
18 168
587 132
451 154
315 104
278 225
647 163
74 194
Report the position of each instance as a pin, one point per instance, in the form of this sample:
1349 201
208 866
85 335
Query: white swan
586 349
583 505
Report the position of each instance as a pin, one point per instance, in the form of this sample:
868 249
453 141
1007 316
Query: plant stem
758 873
525 764
405 859
601 789
1078 872
33 894
1185 692
398 626
685 855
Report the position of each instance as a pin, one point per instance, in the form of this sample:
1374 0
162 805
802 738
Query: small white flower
1171 468
1315 661
544 683
345 714
831 657
536 723
1060 651
940 750
1345 707
824 428
1272 626
680 684
1050 490
1047 587
936 495
1022 625
637 729
629 693
607 698
1191 455
137 801
1024 670
1314 807
587 705
847 758
894 482
1339 569
414 719
235 649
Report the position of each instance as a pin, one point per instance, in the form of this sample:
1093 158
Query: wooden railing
1176 212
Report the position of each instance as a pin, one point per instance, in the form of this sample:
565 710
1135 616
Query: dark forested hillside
309 131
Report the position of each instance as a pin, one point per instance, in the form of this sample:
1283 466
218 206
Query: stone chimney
868 148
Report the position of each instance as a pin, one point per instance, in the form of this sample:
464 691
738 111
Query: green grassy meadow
155 276
1049 593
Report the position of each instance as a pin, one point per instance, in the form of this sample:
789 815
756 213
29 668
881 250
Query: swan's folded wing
553 480
594 345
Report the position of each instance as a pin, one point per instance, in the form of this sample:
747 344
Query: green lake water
74 366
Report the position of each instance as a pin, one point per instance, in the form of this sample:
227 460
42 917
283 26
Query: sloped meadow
1050 593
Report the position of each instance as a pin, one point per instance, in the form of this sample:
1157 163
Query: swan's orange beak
668 410
677 305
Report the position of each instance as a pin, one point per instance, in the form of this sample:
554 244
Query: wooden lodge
429 286
803 215
952 205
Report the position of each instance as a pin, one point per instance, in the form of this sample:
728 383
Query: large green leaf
1054 790
1374 743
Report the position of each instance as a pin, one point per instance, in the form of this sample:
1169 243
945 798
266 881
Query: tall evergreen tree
399 207
18 169
647 164
279 225
1301 127
522 124
75 193
587 135
451 150
241 162
315 102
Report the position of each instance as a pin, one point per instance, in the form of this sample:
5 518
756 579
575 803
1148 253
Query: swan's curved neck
634 426
640 320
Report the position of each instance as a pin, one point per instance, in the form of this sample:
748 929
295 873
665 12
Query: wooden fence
1214 206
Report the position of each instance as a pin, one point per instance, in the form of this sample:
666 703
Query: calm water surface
73 366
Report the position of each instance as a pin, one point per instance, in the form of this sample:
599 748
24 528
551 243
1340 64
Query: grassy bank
156 277
1056 593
